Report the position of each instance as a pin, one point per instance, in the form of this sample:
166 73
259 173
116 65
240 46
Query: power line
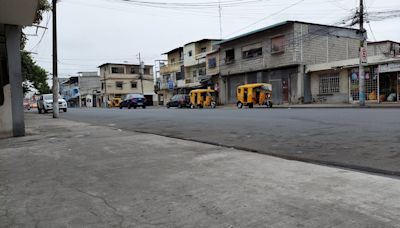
43 34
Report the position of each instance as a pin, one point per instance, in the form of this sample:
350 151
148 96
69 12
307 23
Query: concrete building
338 81
278 55
82 90
170 74
118 80
186 68
13 15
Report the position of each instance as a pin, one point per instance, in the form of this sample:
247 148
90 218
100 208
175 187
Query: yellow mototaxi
200 98
114 102
254 94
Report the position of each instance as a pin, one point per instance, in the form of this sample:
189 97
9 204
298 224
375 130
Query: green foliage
34 73
31 71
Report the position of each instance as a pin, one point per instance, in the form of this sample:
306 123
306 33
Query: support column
13 46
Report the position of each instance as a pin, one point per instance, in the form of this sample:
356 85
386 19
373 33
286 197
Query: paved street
366 139
69 174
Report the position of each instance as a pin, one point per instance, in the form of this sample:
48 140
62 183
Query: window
173 60
190 53
212 63
102 85
202 71
329 84
133 85
134 70
252 53
203 49
117 70
229 56
178 76
146 71
194 73
278 44
119 85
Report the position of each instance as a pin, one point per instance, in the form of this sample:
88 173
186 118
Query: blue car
133 101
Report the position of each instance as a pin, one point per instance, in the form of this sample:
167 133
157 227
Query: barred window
329 83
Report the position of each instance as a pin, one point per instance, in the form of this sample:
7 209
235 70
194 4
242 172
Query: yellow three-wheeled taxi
254 94
200 98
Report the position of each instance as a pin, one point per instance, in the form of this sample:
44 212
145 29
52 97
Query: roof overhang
350 63
18 12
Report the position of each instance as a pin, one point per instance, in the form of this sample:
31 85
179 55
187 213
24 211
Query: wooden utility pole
363 56
56 110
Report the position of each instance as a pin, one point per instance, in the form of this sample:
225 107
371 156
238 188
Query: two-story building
278 55
118 80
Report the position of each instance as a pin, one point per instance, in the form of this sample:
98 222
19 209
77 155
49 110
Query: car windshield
137 96
48 97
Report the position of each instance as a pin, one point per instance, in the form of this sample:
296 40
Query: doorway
389 87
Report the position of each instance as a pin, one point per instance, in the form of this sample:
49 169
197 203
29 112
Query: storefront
389 82
382 83
371 84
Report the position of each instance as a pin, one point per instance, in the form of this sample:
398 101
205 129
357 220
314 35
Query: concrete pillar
300 84
13 46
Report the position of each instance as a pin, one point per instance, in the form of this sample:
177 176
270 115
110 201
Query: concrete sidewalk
69 174
325 106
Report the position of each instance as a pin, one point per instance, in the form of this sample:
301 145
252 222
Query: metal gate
234 82
276 91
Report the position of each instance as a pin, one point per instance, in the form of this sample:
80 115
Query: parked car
179 100
133 101
45 103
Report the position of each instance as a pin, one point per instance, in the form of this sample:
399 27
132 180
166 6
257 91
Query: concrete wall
341 97
215 70
322 44
267 60
89 83
189 60
148 87
176 55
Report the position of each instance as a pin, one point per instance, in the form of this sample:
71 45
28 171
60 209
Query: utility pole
141 72
56 110
220 19
363 56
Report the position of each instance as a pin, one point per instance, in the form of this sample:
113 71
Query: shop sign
390 67
364 55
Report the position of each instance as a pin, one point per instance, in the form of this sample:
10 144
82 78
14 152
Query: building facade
82 90
338 81
186 68
278 55
118 80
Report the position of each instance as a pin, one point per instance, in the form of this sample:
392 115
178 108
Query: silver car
45 103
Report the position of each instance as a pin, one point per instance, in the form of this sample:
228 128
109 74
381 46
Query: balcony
201 56
170 68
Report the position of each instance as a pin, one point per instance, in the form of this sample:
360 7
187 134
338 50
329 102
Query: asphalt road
363 139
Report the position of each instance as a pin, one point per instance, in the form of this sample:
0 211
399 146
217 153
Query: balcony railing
201 55
171 67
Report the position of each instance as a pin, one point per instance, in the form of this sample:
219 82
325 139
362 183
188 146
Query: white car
45 103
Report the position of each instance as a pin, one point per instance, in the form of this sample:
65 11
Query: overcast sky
93 32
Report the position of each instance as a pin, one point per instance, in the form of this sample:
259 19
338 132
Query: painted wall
341 97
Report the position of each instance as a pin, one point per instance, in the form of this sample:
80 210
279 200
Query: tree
31 71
